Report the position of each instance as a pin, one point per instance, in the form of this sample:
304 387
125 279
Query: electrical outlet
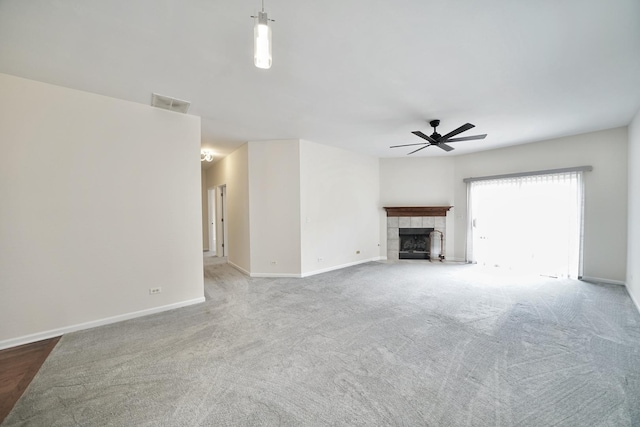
320 259
274 262
154 291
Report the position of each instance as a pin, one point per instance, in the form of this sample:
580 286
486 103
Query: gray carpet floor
399 344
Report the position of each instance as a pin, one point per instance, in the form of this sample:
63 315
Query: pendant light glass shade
262 41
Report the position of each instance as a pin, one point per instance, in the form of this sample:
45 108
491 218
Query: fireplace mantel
417 210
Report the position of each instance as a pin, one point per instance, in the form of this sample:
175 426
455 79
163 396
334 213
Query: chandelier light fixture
206 155
262 57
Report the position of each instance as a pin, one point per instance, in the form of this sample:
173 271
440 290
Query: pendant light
262 40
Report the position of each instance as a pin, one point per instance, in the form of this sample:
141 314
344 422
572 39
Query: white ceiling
356 74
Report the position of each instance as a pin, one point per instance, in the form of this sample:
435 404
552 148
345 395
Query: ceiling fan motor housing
434 123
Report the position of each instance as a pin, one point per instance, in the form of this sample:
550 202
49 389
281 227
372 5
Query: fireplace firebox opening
415 243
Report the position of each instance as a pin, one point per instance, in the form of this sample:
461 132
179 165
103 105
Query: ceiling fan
441 140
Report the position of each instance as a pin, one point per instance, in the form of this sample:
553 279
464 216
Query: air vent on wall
168 103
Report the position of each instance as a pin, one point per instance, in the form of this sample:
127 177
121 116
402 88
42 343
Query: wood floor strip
18 366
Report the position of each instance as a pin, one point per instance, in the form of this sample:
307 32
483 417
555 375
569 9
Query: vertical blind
527 222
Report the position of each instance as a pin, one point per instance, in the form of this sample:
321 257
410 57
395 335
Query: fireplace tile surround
394 223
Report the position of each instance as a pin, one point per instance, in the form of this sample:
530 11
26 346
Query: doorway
211 198
530 223
218 235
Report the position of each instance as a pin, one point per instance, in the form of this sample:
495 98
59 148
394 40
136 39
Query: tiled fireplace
429 220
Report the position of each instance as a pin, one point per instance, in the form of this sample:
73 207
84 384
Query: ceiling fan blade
445 147
467 138
461 129
421 148
407 145
423 136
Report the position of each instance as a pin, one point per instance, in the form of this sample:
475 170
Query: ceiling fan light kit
441 141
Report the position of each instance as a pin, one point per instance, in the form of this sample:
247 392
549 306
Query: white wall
99 201
274 195
340 207
233 171
605 227
417 181
633 246
295 201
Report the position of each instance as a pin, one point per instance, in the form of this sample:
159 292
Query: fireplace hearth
415 243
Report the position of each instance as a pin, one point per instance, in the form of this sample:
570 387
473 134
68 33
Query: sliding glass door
530 223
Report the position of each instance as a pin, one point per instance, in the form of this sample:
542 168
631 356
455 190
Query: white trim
275 275
307 274
600 280
635 301
26 339
240 269
338 267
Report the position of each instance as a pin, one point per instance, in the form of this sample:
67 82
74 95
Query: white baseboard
600 280
240 269
26 339
633 299
307 274
338 267
297 276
